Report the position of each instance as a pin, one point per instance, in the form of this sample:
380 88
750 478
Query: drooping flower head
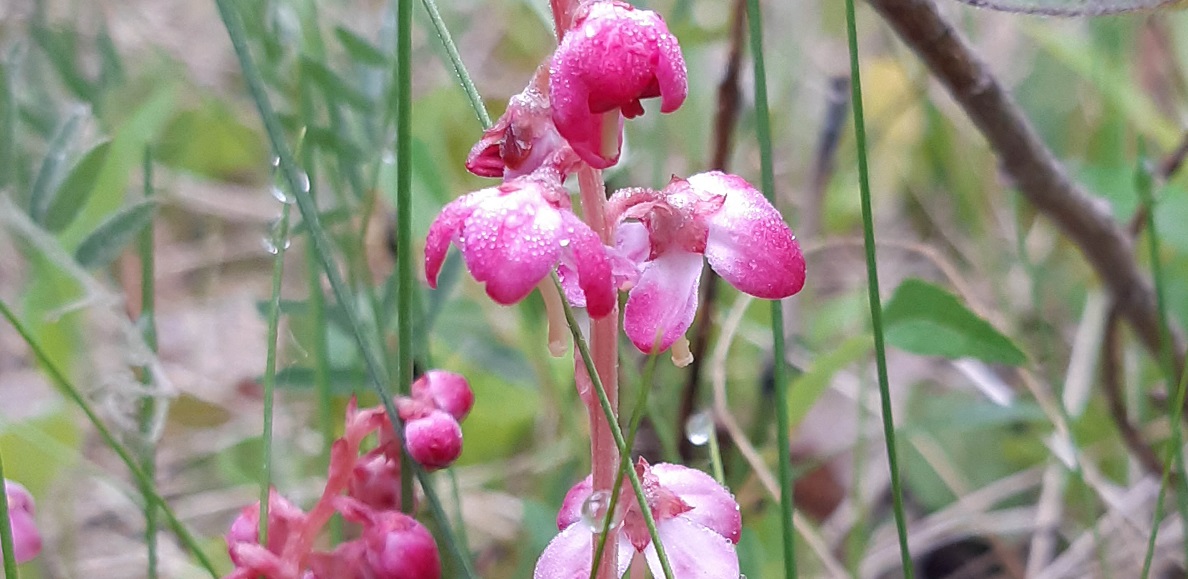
714 214
511 236
26 539
613 56
697 521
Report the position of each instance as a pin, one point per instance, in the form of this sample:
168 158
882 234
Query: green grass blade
148 329
476 101
872 274
783 431
279 241
71 391
404 260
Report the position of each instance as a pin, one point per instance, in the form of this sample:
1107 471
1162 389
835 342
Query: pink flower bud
448 391
613 57
375 481
284 520
434 441
398 547
26 540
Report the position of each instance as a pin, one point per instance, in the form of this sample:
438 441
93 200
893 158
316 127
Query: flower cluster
391 543
26 540
571 114
697 520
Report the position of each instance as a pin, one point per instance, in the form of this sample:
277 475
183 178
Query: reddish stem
604 348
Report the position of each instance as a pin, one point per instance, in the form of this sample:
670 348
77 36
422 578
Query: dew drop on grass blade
1076 7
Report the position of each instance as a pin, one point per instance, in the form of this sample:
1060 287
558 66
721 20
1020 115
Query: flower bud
434 441
398 547
26 540
448 391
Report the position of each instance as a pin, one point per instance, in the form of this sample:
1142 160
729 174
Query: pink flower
697 521
714 214
613 57
26 540
511 236
522 140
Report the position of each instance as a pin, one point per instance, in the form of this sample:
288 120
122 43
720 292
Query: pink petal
446 227
664 301
26 540
593 267
571 507
511 242
712 505
693 551
749 244
671 74
570 553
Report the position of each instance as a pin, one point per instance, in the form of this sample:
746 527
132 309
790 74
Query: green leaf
104 244
361 51
808 387
925 319
72 195
50 173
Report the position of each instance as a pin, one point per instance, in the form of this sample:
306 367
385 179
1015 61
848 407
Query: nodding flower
667 232
512 235
613 56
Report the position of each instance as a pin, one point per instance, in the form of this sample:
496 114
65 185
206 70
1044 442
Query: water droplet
280 195
564 242
388 157
699 427
275 162
594 510
303 182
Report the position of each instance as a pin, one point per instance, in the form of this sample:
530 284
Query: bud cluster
365 490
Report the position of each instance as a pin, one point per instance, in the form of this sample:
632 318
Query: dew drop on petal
699 427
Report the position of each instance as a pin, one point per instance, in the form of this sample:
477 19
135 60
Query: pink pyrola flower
697 520
434 440
714 214
395 545
512 235
614 56
523 139
26 540
445 390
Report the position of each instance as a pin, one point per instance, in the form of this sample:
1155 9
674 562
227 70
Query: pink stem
604 332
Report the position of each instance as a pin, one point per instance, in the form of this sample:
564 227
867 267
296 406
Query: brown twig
1031 165
1111 383
725 120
